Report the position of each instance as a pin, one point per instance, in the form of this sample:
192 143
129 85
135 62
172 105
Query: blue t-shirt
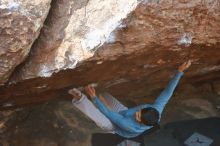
125 122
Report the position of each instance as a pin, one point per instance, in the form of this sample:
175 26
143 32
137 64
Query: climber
113 117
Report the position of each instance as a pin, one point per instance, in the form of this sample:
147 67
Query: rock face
216 86
20 23
72 32
138 57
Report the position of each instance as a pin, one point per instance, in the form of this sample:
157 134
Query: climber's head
148 116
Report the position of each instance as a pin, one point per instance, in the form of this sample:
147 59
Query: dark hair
149 116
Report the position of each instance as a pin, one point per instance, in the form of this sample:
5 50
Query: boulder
72 33
20 25
131 54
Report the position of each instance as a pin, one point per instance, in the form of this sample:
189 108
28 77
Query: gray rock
20 24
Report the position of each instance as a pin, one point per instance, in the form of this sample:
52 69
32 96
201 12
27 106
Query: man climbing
113 117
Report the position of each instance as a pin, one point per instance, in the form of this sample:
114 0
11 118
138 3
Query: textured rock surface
20 23
57 124
72 32
134 64
79 28
216 86
138 58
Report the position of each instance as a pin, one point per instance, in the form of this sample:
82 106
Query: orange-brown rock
137 59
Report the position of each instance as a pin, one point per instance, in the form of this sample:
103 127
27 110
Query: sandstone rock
20 23
137 59
216 87
73 31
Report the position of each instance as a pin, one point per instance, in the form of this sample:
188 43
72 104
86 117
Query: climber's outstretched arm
164 97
